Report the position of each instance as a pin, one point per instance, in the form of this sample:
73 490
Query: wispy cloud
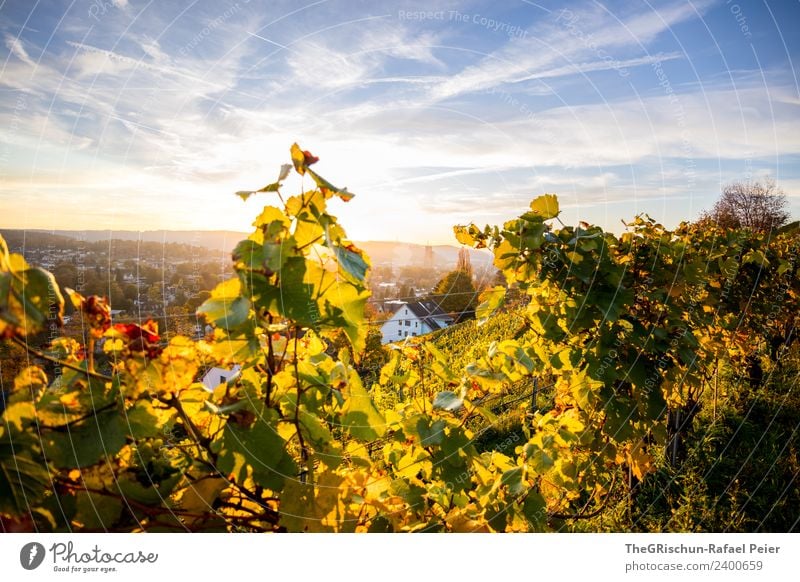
14 45
430 121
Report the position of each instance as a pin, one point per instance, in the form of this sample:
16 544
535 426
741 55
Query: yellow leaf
546 206
641 463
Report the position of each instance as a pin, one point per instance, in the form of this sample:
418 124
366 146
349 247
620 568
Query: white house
414 319
216 376
389 306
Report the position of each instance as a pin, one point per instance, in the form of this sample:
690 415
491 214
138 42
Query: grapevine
622 334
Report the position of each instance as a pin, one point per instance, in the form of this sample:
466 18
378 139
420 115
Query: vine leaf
258 451
545 206
23 481
359 414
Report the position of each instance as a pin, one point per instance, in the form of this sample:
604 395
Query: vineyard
643 381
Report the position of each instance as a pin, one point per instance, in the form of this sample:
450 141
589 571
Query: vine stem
90 355
300 440
44 356
594 513
151 510
197 436
64 427
270 362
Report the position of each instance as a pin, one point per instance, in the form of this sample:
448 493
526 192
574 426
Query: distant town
166 275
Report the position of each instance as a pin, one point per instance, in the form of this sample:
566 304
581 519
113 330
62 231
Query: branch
270 362
301 441
64 427
41 354
594 513
308 244
197 436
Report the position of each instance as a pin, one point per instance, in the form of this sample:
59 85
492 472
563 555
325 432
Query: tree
197 300
464 263
759 206
131 292
66 274
456 294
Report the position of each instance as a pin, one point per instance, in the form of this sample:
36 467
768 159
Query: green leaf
441 364
200 495
620 416
93 440
430 433
755 257
352 263
491 300
19 415
30 384
326 186
148 493
95 511
513 480
259 448
144 420
565 359
545 206
326 448
29 299
540 453
506 256
359 414
23 480
250 254
226 308
534 509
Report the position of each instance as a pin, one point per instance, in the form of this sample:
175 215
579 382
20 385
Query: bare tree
464 263
759 206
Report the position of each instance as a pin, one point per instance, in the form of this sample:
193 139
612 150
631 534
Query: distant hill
211 239
403 254
37 238
398 254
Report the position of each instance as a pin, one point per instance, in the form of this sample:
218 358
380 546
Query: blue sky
144 115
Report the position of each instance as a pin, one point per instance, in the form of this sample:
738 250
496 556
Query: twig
300 440
594 513
41 354
64 427
197 436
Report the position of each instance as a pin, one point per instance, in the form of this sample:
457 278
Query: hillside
398 254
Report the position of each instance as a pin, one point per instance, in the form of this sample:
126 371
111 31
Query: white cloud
575 36
375 101
14 45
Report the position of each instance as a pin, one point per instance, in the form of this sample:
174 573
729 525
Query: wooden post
716 387
675 437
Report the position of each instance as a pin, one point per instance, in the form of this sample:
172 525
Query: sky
142 115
